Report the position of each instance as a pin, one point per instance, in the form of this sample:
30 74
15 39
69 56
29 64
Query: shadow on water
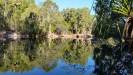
113 60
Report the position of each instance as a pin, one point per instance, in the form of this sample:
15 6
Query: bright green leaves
123 7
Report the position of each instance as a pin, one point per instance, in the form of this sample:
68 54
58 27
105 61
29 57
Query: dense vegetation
24 16
111 16
114 18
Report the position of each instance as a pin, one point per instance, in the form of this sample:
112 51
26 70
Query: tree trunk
128 28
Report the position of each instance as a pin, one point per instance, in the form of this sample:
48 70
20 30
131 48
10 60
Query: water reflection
63 57
113 60
47 57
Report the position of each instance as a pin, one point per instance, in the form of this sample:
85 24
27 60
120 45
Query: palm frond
121 7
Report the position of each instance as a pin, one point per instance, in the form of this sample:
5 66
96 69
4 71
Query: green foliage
31 24
3 23
16 15
109 17
79 20
49 13
123 7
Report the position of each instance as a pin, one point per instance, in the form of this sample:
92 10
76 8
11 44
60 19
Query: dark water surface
64 57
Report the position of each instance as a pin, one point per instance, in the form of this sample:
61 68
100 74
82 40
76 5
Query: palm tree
125 8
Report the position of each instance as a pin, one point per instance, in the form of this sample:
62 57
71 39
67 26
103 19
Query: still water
46 57
63 57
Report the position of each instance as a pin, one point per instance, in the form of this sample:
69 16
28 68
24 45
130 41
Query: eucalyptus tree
70 16
3 23
78 19
13 10
31 25
85 20
49 15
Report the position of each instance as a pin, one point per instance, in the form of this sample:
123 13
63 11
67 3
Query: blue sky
70 4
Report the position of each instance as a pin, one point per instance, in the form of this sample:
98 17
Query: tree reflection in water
113 60
24 55
20 56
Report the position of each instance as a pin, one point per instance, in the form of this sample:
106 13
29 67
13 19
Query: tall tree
70 16
31 25
3 23
85 20
78 19
48 12
13 10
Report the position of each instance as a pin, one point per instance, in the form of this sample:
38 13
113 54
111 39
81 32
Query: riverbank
17 35
70 36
